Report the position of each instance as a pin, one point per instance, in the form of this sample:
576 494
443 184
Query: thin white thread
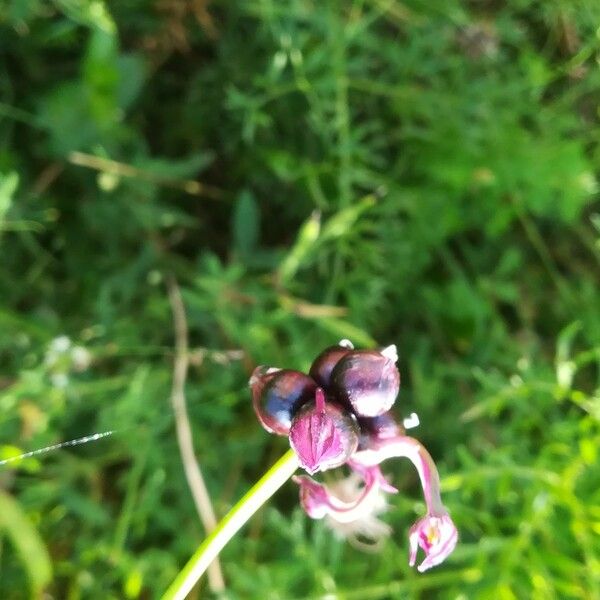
77 442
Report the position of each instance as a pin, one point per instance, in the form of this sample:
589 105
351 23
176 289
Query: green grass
418 173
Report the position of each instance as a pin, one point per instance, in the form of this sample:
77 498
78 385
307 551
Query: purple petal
436 535
318 501
314 497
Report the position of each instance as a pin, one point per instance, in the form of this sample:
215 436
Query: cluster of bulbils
340 414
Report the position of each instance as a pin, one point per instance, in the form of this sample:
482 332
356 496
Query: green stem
235 519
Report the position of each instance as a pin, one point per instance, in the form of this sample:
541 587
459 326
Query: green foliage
418 173
27 542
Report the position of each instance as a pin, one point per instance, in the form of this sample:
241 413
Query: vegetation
417 173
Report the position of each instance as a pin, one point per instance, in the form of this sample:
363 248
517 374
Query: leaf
311 236
92 14
65 111
132 76
342 222
344 329
101 79
169 168
246 224
27 542
8 186
565 339
304 245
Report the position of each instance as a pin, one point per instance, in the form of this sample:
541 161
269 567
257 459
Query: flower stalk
235 519
408 447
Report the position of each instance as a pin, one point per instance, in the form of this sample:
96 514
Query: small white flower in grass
59 380
60 344
81 357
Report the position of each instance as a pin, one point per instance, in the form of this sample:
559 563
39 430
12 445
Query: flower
436 535
349 507
346 421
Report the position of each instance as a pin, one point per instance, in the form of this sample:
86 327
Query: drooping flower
435 533
437 536
344 418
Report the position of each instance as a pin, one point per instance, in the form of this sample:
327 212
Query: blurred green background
409 172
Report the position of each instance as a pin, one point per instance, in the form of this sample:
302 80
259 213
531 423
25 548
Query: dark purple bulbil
375 429
277 394
323 434
339 408
368 380
324 364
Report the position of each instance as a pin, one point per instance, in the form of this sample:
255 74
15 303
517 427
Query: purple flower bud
368 380
277 394
323 435
324 364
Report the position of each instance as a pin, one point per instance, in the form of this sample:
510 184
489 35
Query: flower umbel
335 415
347 421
